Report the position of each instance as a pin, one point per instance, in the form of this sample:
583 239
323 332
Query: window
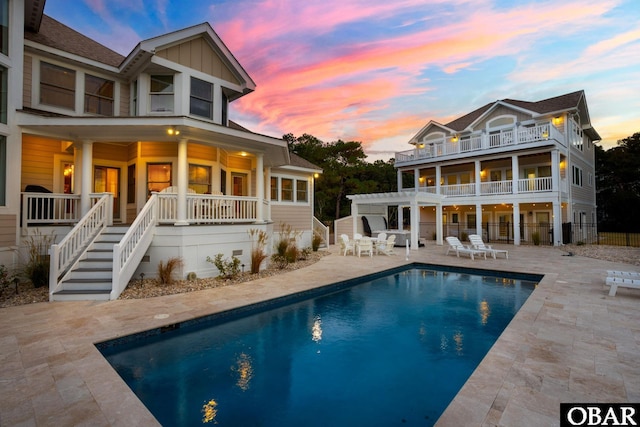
201 102
3 170
4 27
161 93
134 98
158 176
223 181
131 183
98 95
454 218
3 95
577 176
274 188
200 178
287 190
57 86
301 191
471 221
225 109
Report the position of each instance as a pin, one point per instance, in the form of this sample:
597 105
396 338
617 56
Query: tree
618 185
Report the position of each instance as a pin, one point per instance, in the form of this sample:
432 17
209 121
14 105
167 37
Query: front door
239 184
107 180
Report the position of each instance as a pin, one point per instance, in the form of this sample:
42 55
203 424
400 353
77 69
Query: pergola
413 199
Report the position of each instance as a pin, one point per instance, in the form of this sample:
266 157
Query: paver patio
570 342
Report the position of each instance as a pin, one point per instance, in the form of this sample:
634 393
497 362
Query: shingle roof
57 35
557 103
301 162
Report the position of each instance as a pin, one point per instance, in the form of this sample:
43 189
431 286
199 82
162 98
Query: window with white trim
98 95
302 192
286 194
200 178
289 189
57 86
275 190
161 94
576 176
3 170
201 101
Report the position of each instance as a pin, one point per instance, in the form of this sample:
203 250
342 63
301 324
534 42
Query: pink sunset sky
377 71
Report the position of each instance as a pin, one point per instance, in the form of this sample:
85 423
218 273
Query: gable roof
56 35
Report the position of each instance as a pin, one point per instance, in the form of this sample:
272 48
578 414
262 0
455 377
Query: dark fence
535 234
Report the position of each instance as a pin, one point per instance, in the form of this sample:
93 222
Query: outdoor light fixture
173 131
454 138
557 120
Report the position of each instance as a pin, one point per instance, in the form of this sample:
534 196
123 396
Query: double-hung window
98 95
57 86
161 93
201 101
200 178
287 190
301 191
4 27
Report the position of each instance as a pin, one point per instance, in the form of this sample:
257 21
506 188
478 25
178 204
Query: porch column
354 216
557 224
416 179
399 178
183 183
516 224
478 219
415 224
267 190
260 187
478 177
77 165
439 237
555 170
515 173
438 177
400 217
86 177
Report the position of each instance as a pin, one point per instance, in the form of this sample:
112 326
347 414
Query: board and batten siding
37 167
7 230
199 55
125 99
298 217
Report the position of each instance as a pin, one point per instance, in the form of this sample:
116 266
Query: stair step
84 274
81 295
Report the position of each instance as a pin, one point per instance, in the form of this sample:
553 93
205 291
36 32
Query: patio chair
347 245
622 279
456 246
386 247
477 243
365 245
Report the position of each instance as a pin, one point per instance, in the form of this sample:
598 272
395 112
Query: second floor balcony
480 141
527 185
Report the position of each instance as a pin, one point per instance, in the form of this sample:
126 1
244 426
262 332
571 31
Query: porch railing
481 141
531 185
129 252
65 253
52 208
208 209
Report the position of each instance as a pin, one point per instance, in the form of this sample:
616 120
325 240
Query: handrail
208 208
322 229
530 185
63 254
128 253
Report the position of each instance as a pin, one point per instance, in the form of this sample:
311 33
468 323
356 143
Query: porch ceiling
130 129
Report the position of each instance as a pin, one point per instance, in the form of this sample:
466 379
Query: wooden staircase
91 277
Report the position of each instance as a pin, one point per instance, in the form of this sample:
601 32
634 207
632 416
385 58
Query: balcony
480 141
527 185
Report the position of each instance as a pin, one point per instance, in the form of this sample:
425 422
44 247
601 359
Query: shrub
464 236
165 271
6 278
535 236
279 261
191 276
258 242
316 240
287 246
292 253
36 268
228 269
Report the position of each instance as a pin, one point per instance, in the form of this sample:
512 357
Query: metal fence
535 234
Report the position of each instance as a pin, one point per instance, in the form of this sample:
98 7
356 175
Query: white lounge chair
456 246
477 243
619 282
365 246
347 245
623 274
386 247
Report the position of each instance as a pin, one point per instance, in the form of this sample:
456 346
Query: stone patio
570 342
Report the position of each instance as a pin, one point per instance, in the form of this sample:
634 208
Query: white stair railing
129 252
323 230
63 254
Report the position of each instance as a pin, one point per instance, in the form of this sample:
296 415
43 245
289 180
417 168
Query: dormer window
98 95
57 86
161 93
201 101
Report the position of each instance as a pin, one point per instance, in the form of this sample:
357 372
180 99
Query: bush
258 242
6 279
165 271
316 240
287 246
535 236
228 269
36 268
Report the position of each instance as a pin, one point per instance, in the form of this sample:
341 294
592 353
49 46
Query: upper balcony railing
526 185
480 141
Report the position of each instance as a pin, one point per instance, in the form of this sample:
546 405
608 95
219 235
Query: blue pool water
390 350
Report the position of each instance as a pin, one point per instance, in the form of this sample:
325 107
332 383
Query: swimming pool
390 348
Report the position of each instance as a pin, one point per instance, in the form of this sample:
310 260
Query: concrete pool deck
570 342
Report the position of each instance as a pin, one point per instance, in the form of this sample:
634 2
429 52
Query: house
130 160
511 171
